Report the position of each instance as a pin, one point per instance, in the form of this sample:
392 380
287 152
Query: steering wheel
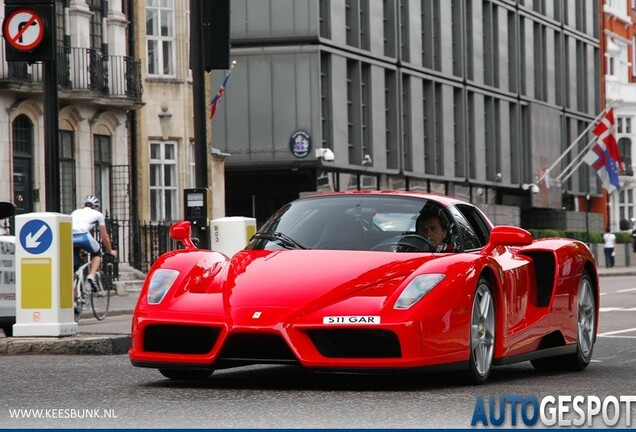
405 243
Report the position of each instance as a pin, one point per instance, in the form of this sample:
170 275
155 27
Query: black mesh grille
356 343
179 339
256 347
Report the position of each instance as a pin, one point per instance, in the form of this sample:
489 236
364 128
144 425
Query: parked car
7 272
348 281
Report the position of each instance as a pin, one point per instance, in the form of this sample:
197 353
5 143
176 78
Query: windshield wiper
281 238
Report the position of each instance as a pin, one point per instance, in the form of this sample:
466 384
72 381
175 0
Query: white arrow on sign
32 240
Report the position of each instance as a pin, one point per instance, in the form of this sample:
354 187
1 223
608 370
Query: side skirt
548 352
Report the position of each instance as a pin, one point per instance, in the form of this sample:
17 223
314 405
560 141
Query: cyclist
84 220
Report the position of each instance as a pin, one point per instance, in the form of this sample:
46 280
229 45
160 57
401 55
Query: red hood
292 279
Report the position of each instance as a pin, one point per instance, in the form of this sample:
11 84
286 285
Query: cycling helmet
91 201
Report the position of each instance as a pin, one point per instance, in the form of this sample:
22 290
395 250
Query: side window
479 227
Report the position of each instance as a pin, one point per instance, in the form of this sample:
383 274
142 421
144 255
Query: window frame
158 210
160 63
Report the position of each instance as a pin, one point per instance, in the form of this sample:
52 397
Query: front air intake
356 343
257 347
180 339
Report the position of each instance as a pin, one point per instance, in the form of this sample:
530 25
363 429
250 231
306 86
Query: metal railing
141 244
83 69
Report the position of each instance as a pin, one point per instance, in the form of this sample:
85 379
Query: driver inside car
434 229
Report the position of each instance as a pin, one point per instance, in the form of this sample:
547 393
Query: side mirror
182 231
505 235
7 209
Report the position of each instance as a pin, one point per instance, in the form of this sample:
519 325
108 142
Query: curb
102 344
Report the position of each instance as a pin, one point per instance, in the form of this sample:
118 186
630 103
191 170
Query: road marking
612 333
626 290
617 309
602 294
596 361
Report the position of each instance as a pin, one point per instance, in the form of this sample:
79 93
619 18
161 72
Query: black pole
51 145
198 90
132 135
198 93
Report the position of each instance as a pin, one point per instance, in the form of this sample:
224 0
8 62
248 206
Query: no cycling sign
24 30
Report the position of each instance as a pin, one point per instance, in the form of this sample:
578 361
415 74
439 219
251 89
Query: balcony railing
83 69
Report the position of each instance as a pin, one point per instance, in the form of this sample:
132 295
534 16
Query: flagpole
578 162
569 149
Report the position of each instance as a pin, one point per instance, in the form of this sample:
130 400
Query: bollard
44 275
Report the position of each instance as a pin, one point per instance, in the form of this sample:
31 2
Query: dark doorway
259 194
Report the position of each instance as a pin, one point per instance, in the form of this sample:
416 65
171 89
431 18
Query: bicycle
83 290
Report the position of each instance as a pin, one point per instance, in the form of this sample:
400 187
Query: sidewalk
110 336
617 271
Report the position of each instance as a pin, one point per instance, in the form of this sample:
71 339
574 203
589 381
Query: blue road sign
36 236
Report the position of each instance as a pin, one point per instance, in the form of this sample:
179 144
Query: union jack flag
214 104
604 156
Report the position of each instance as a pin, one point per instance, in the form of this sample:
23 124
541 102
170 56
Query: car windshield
347 222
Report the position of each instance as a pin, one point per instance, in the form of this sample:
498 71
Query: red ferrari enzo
370 281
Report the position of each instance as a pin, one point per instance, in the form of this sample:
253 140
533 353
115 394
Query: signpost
29 34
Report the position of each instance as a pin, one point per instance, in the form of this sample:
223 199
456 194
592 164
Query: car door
522 322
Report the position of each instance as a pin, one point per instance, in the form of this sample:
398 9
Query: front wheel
482 333
100 299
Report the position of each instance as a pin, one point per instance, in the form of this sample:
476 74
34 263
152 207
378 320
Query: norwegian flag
604 156
605 130
214 104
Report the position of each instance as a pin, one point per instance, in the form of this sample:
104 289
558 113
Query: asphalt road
286 397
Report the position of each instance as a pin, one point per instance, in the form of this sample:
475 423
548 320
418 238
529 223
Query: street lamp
530 186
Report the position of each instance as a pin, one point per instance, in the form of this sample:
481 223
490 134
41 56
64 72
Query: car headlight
160 283
417 289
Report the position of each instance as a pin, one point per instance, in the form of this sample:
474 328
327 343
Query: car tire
586 333
482 333
186 374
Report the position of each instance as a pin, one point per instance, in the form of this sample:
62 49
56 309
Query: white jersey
85 219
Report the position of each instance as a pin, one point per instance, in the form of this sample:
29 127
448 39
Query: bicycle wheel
100 299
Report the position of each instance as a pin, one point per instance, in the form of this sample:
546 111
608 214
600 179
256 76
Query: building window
102 158
160 39
404 32
67 172
388 9
391 119
457 37
358 111
458 132
325 100
491 44
97 8
431 34
625 150
22 129
163 180
407 141
428 125
325 19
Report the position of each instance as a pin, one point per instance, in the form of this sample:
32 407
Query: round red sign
24 30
